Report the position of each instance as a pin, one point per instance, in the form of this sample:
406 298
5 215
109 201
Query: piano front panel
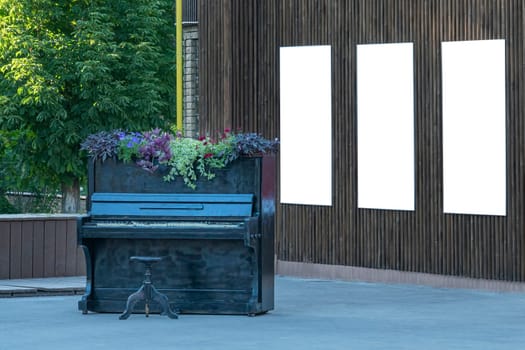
197 275
225 265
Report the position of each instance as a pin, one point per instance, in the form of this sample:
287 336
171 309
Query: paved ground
42 286
309 314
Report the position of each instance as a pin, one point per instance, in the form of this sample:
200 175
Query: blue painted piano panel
170 205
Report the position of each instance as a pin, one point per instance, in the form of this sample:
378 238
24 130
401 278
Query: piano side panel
268 188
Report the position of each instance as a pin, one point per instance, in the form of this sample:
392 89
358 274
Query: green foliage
71 68
27 191
197 158
6 207
192 159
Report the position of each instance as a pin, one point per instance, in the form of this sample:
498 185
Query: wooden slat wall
240 42
35 247
189 12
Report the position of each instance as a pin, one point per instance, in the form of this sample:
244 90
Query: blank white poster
306 125
474 152
385 126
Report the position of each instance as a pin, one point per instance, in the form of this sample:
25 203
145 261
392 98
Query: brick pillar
190 37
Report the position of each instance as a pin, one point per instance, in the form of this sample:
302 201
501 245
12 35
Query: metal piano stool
147 291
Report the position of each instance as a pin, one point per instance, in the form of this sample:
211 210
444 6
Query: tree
18 177
72 68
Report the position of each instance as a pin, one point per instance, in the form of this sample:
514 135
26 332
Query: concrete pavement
42 286
309 314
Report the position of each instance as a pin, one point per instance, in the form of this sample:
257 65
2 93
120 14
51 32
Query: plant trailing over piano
198 158
184 157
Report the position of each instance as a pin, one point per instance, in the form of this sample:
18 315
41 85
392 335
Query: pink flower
208 155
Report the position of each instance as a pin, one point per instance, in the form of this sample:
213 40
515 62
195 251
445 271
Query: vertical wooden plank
5 249
15 270
49 248
38 249
26 270
71 248
61 247
81 263
227 65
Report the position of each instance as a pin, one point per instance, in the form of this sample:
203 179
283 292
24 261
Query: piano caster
147 292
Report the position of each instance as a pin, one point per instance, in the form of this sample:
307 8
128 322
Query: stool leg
147 292
132 300
163 301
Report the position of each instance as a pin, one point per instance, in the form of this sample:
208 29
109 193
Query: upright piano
217 248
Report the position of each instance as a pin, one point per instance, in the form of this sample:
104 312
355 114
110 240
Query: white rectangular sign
474 141
385 126
306 125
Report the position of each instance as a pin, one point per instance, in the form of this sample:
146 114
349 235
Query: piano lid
172 204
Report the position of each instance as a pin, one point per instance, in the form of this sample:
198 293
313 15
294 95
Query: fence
34 246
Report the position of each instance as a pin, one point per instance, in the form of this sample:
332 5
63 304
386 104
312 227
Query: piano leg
83 303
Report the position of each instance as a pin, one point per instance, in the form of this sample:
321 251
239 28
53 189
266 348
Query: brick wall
191 81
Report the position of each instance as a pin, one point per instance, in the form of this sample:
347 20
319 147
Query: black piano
217 245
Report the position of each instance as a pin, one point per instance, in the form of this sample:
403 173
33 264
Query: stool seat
147 291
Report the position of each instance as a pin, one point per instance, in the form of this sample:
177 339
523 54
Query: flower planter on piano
222 265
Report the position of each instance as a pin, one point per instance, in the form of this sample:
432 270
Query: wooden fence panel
71 249
49 248
39 246
60 248
26 270
15 247
5 251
